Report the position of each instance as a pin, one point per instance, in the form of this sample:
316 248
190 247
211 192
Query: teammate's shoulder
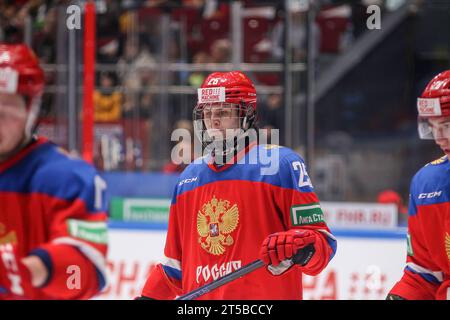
59 166
65 177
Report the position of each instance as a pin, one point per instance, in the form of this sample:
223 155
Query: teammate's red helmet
20 71
434 102
238 87
21 74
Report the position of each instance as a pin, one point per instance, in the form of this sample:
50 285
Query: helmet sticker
429 107
206 95
8 80
4 57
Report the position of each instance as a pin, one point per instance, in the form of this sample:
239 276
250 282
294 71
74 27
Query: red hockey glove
15 279
281 250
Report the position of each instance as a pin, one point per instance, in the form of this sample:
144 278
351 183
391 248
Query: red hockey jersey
219 218
427 271
53 206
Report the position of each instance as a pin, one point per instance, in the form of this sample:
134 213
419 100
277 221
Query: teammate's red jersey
53 206
220 216
427 272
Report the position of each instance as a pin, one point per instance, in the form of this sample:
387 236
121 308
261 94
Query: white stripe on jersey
173 263
437 274
95 256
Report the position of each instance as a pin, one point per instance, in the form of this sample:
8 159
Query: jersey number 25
304 180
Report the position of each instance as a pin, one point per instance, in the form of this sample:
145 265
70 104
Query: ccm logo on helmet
430 195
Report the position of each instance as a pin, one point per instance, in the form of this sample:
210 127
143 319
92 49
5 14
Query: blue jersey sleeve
72 180
294 174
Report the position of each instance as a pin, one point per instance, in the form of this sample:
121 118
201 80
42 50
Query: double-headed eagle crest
215 221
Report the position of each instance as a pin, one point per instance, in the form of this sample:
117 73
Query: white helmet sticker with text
9 79
429 107
206 95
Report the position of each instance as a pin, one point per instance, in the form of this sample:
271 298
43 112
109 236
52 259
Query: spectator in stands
271 116
130 53
138 76
128 106
175 56
298 37
44 39
146 103
271 112
11 27
221 51
108 31
150 33
140 73
107 101
196 78
108 50
138 105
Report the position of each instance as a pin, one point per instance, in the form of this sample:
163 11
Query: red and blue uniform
427 271
219 217
52 206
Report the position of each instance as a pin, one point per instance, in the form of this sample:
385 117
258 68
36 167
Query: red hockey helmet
238 87
21 74
227 90
434 103
20 71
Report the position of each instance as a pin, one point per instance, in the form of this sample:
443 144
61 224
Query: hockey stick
221 281
301 257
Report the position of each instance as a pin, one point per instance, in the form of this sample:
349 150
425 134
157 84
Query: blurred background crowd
359 137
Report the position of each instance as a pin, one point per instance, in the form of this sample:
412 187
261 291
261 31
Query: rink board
366 265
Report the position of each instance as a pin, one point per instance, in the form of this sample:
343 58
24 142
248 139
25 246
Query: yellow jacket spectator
108 107
108 103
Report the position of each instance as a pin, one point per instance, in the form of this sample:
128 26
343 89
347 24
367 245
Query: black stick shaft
224 280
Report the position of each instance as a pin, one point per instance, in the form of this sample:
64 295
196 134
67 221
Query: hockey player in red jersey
227 210
427 271
52 206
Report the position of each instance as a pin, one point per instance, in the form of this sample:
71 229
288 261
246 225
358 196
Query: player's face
441 133
13 118
218 117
